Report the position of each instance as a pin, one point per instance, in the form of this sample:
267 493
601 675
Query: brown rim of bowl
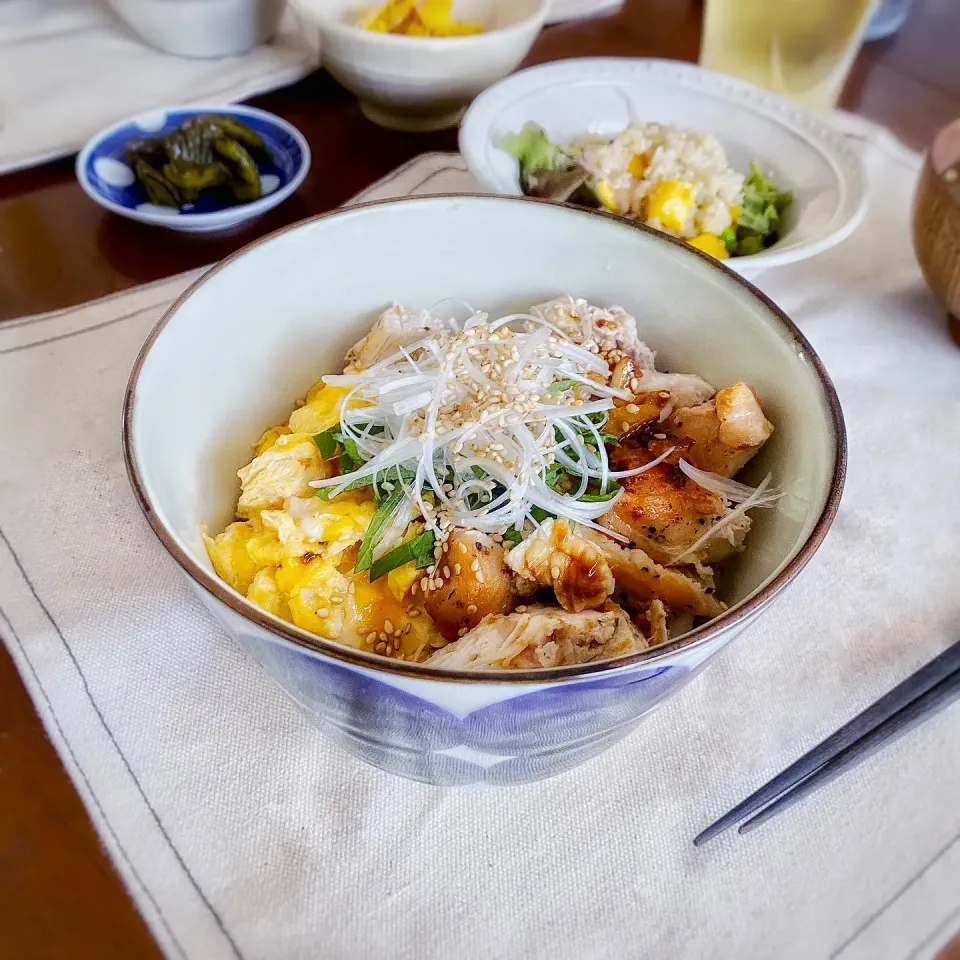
699 636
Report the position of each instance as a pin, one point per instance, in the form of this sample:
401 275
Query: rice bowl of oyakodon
475 524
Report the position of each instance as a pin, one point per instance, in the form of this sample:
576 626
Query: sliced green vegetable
729 239
419 551
749 243
552 477
328 442
534 152
350 446
760 219
208 152
558 386
324 493
381 519
347 463
598 496
513 535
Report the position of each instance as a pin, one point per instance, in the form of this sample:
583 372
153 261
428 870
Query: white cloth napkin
242 833
69 69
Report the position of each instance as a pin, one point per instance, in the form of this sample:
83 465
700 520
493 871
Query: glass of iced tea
802 49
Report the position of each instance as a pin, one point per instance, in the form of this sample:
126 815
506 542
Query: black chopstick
912 715
916 687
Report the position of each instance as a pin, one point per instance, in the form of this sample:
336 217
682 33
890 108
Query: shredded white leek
731 490
761 496
481 406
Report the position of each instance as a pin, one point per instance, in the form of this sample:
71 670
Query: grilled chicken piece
685 389
638 579
476 582
641 579
543 637
555 557
657 618
394 328
726 432
612 330
665 512
644 410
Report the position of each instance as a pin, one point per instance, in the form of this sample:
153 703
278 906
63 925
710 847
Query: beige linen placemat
242 833
69 69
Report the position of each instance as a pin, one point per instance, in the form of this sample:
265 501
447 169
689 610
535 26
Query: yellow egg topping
671 203
293 553
417 18
710 243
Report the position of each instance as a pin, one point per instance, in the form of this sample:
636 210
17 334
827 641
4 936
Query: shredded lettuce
761 214
729 239
535 153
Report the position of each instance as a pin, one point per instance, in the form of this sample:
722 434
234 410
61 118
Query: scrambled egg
671 202
710 243
293 554
417 18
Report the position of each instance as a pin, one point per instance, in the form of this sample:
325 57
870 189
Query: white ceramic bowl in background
201 28
232 354
602 95
423 83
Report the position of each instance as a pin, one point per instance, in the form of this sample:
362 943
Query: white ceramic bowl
602 95
201 28
423 83
233 352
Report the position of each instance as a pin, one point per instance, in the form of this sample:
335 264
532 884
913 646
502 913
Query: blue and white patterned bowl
106 178
259 329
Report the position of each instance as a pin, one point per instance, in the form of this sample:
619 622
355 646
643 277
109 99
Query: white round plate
569 98
103 173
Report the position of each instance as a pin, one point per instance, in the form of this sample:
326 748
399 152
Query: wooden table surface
59 895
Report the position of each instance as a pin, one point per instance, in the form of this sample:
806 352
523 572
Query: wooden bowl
936 222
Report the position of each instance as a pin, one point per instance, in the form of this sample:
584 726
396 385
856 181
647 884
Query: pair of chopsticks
920 696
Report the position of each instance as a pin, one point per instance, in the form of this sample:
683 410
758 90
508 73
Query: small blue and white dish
107 179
